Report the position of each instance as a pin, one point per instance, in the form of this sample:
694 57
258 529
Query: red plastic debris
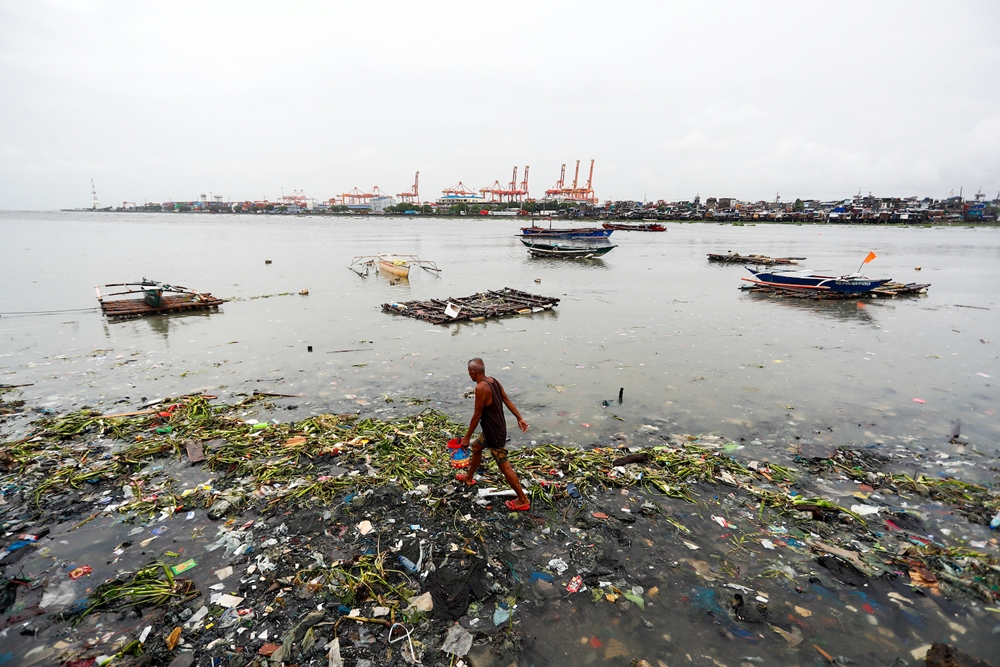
80 571
595 642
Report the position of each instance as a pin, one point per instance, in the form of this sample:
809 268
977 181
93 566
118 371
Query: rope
25 313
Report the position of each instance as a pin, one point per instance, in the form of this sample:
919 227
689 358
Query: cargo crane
575 194
411 196
297 198
510 193
558 187
458 190
357 198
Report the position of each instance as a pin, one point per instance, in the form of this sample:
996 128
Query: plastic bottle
408 564
995 523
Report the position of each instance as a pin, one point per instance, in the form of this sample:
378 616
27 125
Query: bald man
490 399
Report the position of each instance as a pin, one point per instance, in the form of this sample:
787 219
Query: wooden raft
886 291
736 258
128 308
493 303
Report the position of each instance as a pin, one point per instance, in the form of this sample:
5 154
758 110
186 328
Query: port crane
411 196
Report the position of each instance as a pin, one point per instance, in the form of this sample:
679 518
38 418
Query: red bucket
455 443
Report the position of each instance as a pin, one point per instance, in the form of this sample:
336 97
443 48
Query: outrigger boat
396 265
852 283
643 227
542 249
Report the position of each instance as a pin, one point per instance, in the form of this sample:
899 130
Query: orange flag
869 258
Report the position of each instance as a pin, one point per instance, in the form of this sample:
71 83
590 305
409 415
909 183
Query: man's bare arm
521 424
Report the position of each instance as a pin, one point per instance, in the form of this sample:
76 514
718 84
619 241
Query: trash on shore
340 540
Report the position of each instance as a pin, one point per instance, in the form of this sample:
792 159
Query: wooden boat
566 232
853 283
642 227
395 265
156 298
736 258
549 249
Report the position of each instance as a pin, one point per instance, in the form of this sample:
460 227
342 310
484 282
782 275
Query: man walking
490 399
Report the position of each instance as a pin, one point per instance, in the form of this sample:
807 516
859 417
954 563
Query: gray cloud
165 101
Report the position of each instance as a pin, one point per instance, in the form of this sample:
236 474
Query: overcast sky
166 100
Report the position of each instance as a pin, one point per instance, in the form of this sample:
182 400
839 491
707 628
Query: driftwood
736 258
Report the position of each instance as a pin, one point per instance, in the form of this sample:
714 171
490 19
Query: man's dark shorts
499 454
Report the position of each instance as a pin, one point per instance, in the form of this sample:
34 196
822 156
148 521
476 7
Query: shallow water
654 317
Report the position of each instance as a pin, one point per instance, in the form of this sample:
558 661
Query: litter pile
476 307
343 541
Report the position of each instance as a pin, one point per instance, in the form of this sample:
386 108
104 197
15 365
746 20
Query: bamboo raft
888 290
736 258
153 301
493 303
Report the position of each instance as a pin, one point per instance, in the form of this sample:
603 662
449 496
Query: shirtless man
490 399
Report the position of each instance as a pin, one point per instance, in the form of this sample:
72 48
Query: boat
394 265
156 298
567 232
642 227
549 249
853 283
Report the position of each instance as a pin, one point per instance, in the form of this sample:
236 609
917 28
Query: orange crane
458 190
412 195
584 195
510 193
558 187
357 198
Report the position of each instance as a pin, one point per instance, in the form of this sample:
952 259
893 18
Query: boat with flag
805 279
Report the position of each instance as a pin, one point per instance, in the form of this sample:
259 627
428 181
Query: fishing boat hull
537 249
394 268
566 233
650 227
853 284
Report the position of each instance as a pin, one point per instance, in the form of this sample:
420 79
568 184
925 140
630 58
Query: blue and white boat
853 283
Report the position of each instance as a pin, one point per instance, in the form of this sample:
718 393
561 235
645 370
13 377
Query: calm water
654 317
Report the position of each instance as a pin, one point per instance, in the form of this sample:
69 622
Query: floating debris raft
156 299
492 303
887 290
736 258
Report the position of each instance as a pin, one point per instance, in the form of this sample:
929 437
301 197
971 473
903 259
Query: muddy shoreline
289 536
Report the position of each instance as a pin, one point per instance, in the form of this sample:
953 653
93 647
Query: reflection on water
850 310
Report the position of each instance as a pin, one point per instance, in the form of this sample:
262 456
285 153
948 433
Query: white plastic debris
558 565
421 603
457 642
